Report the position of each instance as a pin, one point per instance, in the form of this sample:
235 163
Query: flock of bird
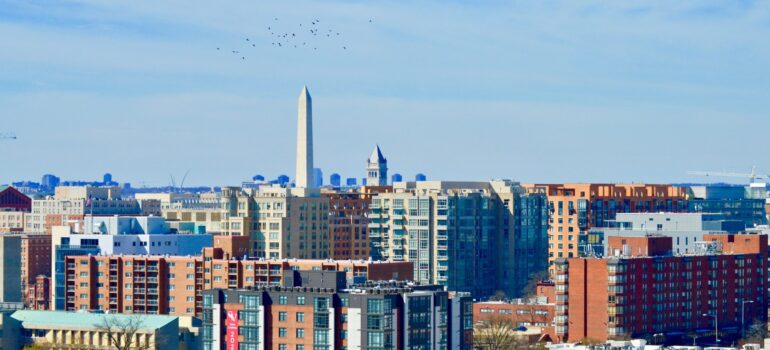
308 36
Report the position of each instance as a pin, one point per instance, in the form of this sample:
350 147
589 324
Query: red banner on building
231 324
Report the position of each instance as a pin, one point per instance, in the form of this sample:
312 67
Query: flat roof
80 320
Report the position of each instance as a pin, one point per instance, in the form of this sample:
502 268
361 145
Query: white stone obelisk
304 177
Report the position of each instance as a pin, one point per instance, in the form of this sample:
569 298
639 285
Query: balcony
152 269
152 291
139 290
152 280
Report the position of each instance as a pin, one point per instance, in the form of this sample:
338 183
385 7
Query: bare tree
123 332
499 296
755 332
496 333
530 290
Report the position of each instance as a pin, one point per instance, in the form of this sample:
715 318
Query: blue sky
537 91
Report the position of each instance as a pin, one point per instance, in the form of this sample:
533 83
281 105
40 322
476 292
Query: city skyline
135 85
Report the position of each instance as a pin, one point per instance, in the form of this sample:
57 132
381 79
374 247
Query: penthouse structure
173 284
319 310
478 237
575 208
685 229
645 290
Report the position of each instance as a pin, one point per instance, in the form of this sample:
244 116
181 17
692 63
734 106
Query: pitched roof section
76 320
377 156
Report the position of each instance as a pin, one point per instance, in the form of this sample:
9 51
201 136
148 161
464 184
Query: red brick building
638 295
348 225
35 260
173 284
38 294
537 312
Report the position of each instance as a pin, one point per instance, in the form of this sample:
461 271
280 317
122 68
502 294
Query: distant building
172 284
38 294
319 310
107 179
10 269
645 290
71 204
50 181
376 169
351 181
258 178
744 203
318 177
282 180
335 180
478 237
396 178
420 177
576 208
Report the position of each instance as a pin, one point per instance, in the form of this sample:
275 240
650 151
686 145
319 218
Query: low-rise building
59 329
38 295
319 310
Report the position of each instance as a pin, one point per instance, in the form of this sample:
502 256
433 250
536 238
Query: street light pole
743 319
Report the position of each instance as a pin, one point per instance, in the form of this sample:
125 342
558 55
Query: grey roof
377 156
31 319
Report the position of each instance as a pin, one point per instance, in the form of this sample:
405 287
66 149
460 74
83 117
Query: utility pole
743 319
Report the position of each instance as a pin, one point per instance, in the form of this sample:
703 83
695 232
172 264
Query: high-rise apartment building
280 222
318 310
646 290
173 284
479 237
575 208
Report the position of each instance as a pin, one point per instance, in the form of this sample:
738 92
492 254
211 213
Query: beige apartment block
281 222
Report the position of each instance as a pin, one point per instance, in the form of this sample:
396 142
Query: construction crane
7 136
753 176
